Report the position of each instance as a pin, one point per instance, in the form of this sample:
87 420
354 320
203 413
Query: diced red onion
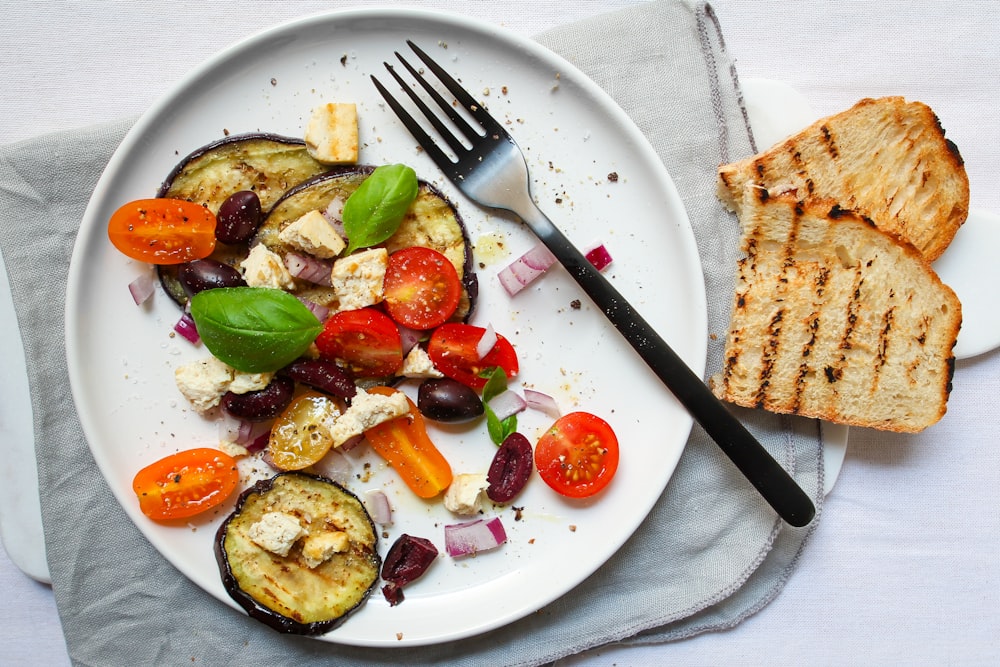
377 504
522 271
599 257
334 466
409 337
186 328
234 429
308 268
536 400
258 442
463 539
506 404
335 212
352 442
142 288
320 311
486 342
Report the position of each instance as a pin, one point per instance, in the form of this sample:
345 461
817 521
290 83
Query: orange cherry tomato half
163 231
578 455
422 289
403 442
185 483
367 340
453 349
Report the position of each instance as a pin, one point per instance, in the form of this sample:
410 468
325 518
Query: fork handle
776 486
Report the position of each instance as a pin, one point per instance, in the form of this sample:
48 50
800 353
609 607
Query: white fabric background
903 566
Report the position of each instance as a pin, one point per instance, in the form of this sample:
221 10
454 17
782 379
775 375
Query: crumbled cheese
246 382
264 268
314 235
319 548
332 133
203 382
276 532
233 449
418 364
462 496
367 410
357 279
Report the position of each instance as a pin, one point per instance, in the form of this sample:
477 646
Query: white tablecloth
902 568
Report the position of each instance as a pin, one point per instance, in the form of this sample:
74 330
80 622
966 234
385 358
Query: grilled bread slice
836 319
886 158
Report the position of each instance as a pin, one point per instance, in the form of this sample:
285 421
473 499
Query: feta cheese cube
357 279
203 382
462 496
319 548
244 383
233 449
418 364
264 268
314 235
367 410
276 532
332 133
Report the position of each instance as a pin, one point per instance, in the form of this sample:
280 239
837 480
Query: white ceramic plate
121 358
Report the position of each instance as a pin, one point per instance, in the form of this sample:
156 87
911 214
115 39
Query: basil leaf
253 329
496 384
375 210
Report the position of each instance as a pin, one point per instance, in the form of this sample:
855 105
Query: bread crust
885 158
837 319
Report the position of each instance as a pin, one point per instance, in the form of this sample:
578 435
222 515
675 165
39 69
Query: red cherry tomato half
452 348
578 455
366 340
185 483
422 288
163 231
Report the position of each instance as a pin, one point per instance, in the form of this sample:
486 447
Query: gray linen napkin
708 555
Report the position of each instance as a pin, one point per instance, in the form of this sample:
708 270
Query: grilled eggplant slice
292 593
432 221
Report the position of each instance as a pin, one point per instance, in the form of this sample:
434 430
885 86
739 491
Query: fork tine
455 117
462 95
441 128
430 147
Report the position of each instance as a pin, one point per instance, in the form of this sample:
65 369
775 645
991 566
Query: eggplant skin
282 591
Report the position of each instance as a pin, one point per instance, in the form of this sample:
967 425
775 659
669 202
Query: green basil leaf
254 329
375 210
496 384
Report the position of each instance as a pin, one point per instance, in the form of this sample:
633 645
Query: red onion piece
259 442
142 288
487 342
599 257
506 404
334 466
186 328
536 400
307 267
409 337
469 538
320 311
377 504
522 271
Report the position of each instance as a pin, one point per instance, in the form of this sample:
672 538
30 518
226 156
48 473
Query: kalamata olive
261 405
203 274
510 469
239 217
447 400
323 375
408 558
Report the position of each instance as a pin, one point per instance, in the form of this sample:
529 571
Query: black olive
203 274
447 400
239 217
510 469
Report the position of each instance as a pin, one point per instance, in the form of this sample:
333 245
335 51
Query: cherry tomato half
403 442
367 340
578 455
422 289
163 231
185 483
300 436
452 348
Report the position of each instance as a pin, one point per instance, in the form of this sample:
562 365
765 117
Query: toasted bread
836 319
886 158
